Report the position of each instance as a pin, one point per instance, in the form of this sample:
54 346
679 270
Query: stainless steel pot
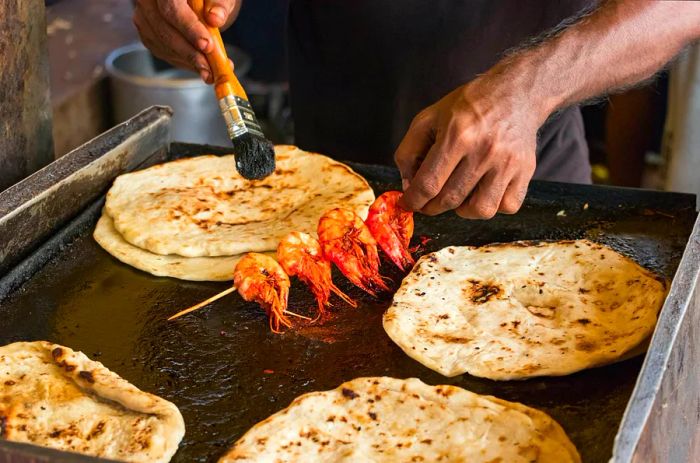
136 83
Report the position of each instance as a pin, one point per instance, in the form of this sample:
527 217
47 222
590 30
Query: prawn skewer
261 279
392 227
300 255
347 242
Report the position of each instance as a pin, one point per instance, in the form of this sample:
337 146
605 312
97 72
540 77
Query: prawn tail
276 313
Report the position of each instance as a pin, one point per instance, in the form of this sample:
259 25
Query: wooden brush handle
225 81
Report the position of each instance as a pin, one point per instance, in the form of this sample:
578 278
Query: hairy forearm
620 43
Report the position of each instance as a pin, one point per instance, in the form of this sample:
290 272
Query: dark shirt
361 70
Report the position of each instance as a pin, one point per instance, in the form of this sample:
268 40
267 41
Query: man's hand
472 151
171 30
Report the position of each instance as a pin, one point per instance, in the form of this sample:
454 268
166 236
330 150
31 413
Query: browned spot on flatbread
585 346
349 393
97 430
542 312
452 339
530 368
87 376
444 391
290 171
57 353
480 292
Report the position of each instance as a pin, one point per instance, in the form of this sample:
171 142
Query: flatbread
184 268
201 206
394 420
55 397
519 310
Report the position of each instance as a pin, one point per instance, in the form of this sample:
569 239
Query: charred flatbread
55 397
390 420
202 207
518 310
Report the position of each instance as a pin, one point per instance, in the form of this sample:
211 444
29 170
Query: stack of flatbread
394 420
518 310
55 397
193 218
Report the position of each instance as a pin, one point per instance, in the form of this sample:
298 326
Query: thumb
220 13
414 146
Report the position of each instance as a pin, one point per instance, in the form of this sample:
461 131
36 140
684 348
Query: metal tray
226 371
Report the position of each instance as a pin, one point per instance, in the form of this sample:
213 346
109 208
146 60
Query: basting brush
255 155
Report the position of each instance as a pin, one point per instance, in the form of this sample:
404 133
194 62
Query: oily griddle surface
226 371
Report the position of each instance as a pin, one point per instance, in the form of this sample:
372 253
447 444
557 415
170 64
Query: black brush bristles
255 156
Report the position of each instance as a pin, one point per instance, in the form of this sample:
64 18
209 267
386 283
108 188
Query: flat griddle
226 371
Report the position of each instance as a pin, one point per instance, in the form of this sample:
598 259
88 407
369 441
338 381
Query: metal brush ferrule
239 117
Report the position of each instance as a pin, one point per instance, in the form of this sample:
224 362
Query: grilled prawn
347 242
392 228
300 255
261 279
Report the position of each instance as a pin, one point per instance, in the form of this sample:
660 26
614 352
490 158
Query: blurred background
101 76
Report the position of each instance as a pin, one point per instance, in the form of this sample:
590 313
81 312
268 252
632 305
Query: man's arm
474 150
171 30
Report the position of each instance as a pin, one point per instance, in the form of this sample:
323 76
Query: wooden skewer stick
298 315
203 303
217 297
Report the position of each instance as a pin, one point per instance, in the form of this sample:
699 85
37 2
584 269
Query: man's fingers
432 174
486 198
517 189
149 39
439 164
514 195
218 12
179 15
456 190
178 50
414 146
